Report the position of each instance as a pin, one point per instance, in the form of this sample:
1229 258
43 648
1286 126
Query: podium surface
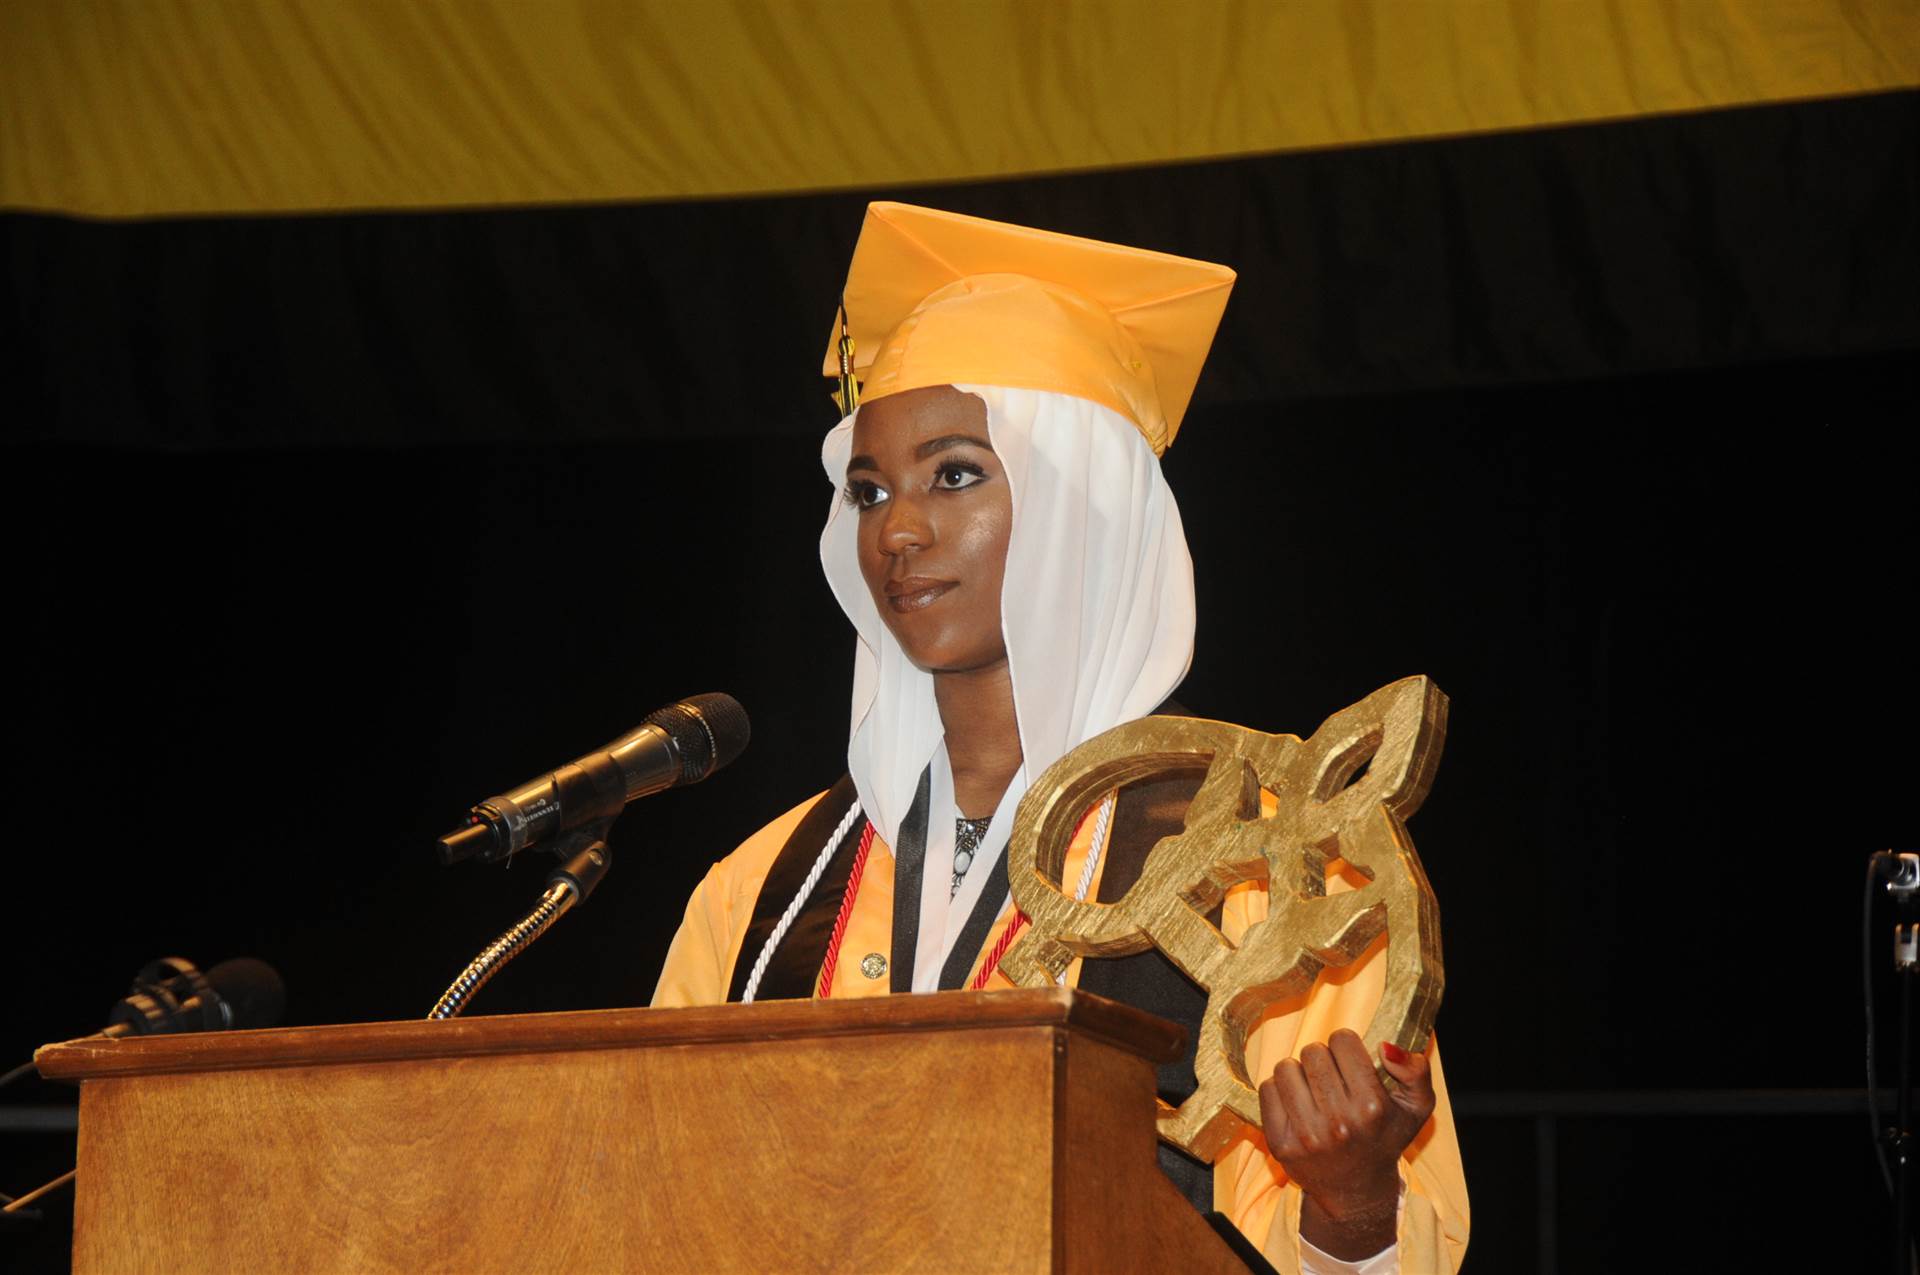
960 1131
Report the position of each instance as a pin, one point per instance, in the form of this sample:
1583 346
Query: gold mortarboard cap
936 298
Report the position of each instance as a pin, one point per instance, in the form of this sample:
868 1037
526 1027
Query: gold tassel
847 397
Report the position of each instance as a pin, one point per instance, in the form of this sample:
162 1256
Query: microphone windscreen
250 990
709 731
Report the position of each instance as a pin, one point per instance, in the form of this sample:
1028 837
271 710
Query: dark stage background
322 529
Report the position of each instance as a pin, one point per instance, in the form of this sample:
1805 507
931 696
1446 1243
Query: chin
929 661
938 648
952 661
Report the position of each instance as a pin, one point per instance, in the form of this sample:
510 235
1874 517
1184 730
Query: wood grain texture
1113 1208
1152 1038
937 1139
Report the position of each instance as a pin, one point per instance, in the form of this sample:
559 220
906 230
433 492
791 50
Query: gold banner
144 107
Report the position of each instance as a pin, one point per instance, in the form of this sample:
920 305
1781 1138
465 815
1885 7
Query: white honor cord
793 908
1102 825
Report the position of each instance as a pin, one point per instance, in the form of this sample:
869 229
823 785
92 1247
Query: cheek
873 564
865 552
987 540
986 553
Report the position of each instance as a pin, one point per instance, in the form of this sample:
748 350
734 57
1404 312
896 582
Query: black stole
794 971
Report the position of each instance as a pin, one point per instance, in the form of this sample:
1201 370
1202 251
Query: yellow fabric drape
148 107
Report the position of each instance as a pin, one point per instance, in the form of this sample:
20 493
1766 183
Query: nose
904 527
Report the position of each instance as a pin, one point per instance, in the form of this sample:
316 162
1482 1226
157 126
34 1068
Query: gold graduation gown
1249 1186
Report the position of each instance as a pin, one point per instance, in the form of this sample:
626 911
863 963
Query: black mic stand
1906 962
1903 886
588 859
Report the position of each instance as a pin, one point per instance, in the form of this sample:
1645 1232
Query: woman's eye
957 477
862 494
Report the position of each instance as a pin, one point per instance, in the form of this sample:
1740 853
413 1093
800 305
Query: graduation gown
736 907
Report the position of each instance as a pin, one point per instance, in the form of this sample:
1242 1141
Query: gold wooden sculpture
1317 814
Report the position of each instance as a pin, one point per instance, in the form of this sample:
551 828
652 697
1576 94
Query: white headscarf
1097 611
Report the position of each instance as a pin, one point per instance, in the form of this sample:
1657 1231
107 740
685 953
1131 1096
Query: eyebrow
924 450
945 441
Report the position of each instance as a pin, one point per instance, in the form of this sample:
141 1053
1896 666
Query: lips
915 592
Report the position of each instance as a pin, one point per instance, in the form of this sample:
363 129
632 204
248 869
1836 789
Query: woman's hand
1339 1134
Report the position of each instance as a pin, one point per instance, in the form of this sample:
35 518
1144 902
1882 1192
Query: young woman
1015 570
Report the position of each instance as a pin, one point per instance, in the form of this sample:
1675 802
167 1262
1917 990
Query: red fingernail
1392 1052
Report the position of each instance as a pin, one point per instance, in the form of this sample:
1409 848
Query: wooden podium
1003 1131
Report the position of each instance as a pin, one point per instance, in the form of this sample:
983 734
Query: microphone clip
169 995
1901 872
585 858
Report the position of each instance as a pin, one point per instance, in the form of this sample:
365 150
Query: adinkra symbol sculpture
1315 813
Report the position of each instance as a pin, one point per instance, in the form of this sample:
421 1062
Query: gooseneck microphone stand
587 860
682 743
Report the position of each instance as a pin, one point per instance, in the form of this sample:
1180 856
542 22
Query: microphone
680 744
171 995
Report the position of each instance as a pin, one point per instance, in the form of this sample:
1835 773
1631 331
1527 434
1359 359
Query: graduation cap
937 298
